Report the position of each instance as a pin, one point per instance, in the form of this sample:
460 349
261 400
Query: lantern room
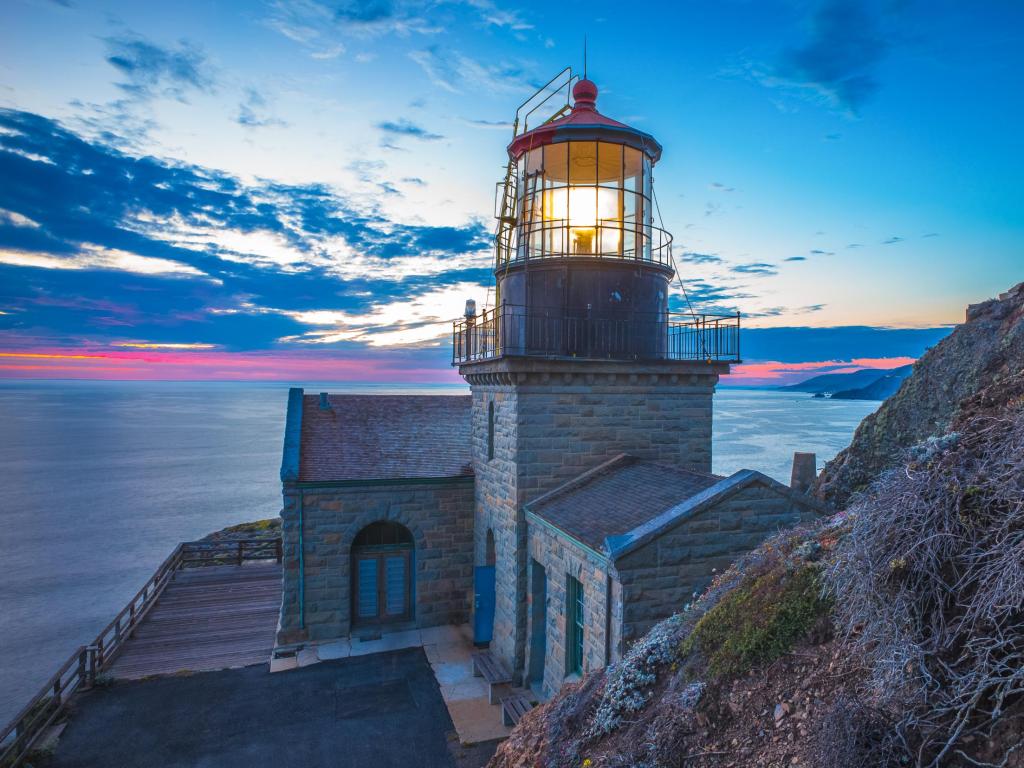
581 269
583 187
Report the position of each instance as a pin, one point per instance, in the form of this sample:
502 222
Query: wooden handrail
22 733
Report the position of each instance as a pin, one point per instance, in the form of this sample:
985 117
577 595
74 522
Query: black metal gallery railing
512 330
610 240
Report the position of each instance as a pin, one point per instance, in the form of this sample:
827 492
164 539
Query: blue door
483 604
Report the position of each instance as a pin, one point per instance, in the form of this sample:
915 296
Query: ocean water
100 480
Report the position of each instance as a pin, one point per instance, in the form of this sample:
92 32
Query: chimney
805 471
325 404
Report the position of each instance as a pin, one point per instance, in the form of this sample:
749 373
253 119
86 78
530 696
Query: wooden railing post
91 651
83 672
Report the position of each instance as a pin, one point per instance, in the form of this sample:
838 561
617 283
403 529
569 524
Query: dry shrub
929 586
853 735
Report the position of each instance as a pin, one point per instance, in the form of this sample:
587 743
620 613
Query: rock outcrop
985 350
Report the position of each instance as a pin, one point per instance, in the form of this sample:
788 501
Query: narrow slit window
490 430
574 626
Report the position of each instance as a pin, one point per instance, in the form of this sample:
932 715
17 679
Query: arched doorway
382 574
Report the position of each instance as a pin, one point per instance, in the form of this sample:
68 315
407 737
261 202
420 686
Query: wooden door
381 590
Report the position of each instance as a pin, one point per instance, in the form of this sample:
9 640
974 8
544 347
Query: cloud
776 373
701 258
252 111
498 17
325 27
405 127
838 61
151 70
892 240
718 186
707 297
415 321
820 252
796 344
760 269
159 345
795 258
199 252
91 256
455 72
491 124
322 27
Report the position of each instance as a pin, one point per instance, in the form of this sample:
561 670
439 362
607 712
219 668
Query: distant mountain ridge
881 388
865 384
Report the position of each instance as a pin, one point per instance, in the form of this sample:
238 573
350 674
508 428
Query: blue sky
217 190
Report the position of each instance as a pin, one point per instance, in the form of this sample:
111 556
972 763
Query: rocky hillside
890 634
987 348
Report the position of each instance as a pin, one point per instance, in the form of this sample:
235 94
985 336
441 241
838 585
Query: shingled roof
617 497
377 437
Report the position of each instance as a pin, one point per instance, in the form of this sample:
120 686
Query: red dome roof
585 123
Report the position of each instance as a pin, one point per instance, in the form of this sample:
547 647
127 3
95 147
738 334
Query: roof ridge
680 468
581 479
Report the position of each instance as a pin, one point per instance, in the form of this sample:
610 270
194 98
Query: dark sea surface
100 480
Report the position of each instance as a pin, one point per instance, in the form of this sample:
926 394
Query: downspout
302 566
290 460
607 615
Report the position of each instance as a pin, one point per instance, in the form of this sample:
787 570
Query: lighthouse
567 505
583 356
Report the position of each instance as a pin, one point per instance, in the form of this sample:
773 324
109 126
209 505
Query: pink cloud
97 362
773 373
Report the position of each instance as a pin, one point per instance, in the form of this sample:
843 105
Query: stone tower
581 358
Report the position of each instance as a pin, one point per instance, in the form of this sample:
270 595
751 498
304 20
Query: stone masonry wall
660 578
560 558
498 511
552 425
440 517
572 422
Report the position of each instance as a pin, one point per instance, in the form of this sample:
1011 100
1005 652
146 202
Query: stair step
513 707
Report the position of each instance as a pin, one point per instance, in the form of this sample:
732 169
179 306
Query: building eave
380 482
533 517
292 436
621 545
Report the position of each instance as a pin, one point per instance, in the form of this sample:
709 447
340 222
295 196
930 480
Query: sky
305 190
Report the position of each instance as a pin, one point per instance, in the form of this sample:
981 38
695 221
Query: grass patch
258 526
759 621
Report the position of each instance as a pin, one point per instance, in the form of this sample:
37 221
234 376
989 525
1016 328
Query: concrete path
382 711
448 649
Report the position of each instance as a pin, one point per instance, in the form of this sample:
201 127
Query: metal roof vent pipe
805 472
325 404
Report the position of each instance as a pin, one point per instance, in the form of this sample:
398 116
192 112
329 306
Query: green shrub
759 621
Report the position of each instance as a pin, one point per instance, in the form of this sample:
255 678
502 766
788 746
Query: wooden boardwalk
207 618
